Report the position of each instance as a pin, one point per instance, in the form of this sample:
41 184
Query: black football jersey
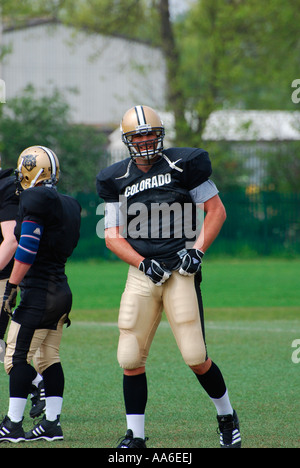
60 215
157 205
9 202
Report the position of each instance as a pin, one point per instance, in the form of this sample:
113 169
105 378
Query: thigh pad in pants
140 314
184 310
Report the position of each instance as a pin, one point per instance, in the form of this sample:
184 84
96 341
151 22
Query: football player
151 224
48 231
9 202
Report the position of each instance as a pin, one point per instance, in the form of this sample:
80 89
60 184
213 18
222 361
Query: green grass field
252 318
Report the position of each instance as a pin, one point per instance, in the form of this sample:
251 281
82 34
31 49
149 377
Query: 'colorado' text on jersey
146 184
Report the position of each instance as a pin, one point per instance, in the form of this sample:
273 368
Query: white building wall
108 75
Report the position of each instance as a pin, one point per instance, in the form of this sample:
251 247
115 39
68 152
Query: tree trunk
175 98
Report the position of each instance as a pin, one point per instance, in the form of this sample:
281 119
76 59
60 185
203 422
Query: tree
221 54
229 53
139 20
29 120
238 54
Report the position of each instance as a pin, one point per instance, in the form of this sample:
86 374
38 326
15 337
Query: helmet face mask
37 165
143 121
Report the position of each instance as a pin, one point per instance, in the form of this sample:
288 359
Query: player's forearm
9 243
120 247
18 273
7 250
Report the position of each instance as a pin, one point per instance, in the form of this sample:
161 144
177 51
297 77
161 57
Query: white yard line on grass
279 326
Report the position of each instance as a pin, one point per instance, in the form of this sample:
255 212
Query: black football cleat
11 431
132 442
46 430
38 401
229 430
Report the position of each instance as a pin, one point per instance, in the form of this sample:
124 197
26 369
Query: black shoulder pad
36 202
195 163
9 201
107 180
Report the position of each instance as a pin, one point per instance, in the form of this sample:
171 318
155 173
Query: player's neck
144 167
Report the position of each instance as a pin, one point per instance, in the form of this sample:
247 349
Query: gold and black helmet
143 120
36 165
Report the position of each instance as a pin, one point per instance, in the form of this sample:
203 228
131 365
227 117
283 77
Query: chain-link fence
262 223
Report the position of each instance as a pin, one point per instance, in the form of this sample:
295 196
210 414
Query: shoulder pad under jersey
194 162
107 180
9 201
37 203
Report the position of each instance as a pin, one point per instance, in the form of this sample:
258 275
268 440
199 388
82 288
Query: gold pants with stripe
2 289
43 346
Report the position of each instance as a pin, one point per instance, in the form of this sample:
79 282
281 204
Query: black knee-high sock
212 382
20 378
54 380
135 393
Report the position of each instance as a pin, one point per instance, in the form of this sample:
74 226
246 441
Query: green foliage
282 167
129 18
238 54
221 54
229 172
31 120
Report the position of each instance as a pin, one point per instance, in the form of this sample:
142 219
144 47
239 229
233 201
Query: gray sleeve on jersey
113 215
204 192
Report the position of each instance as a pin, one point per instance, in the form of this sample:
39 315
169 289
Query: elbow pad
31 234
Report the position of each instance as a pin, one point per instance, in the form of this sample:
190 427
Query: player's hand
9 298
191 262
155 271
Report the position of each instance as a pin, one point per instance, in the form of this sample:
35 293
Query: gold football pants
141 310
2 289
41 346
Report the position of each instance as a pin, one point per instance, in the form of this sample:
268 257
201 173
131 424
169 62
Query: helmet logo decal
29 162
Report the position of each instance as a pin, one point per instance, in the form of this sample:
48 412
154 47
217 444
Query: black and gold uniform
153 201
48 231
